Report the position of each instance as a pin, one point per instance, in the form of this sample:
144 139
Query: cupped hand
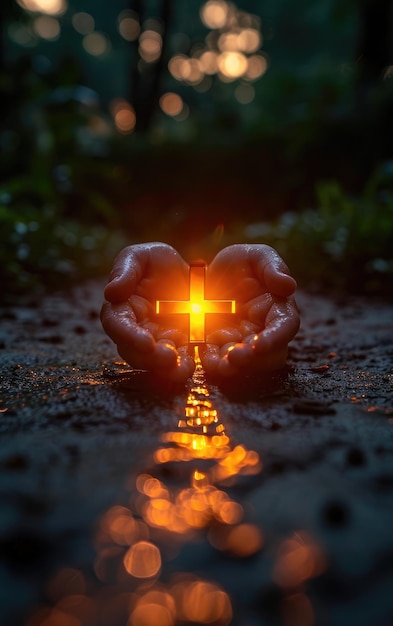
142 274
256 338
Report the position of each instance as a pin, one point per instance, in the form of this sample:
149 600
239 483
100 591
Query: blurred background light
47 27
51 7
83 22
96 44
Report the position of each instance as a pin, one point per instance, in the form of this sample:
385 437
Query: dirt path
77 429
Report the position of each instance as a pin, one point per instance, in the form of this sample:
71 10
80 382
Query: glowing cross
196 307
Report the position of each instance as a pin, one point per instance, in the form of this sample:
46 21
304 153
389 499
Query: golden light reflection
143 560
197 306
299 558
176 501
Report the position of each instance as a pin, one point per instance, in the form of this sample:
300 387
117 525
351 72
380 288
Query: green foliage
41 249
344 244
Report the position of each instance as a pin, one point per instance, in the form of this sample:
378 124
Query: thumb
124 277
278 282
273 272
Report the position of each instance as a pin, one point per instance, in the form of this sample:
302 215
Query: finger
226 368
136 262
184 367
125 274
175 335
165 355
215 361
282 324
258 309
120 324
241 355
222 336
210 357
273 272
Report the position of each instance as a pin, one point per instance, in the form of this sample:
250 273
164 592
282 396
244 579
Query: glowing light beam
196 307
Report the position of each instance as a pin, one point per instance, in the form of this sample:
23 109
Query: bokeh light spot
215 13
21 34
50 7
143 560
150 45
232 64
249 40
244 94
256 67
96 44
129 27
47 27
151 615
123 115
83 23
171 104
297 610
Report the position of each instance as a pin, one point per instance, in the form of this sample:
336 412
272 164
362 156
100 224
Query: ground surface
77 429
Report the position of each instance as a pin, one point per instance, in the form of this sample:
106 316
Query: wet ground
127 503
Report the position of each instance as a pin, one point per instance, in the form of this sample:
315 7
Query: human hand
256 338
142 274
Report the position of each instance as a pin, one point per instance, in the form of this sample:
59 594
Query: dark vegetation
306 165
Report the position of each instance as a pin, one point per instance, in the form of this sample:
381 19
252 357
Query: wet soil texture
307 537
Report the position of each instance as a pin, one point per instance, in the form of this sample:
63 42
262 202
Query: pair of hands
255 339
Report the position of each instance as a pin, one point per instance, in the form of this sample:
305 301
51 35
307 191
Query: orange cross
196 307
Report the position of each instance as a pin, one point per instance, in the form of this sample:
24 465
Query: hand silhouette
267 318
142 274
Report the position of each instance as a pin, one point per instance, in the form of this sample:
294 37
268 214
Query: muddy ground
77 428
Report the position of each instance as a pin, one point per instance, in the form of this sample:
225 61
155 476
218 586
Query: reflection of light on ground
181 499
299 558
142 560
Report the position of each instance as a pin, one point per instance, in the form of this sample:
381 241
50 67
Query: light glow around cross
196 307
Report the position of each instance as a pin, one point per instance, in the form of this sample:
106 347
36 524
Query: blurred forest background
199 124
